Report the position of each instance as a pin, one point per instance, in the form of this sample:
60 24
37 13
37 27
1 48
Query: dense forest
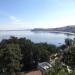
21 54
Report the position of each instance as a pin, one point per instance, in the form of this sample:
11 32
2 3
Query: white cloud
14 23
14 20
12 17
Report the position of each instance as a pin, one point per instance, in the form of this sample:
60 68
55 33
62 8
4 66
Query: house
43 66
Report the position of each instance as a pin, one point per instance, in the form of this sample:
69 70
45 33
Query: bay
37 37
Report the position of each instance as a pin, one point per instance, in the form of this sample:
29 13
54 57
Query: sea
37 37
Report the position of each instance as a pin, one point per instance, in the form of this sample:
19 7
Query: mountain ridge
63 29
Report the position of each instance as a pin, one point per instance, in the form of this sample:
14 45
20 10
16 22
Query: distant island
66 29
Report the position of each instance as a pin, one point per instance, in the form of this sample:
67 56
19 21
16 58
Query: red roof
33 72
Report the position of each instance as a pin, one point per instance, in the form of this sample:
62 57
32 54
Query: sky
26 14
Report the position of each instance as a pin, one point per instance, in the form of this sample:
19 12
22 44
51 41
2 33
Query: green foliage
62 71
69 56
10 56
69 53
58 70
21 53
18 54
46 50
68 42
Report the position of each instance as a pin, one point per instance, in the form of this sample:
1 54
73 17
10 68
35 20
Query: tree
68 42
69 56
10 56
30 54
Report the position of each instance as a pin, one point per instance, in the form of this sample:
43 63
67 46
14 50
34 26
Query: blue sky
24 14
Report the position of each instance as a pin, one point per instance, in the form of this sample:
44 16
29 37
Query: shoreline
62 32
70 33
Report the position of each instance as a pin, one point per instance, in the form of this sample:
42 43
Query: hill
61 29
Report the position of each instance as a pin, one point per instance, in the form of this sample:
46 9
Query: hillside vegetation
21 54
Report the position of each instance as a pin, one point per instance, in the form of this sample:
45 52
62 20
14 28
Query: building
44 66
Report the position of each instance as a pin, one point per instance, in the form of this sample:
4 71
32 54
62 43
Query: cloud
19 24
14 20
13 24
12 17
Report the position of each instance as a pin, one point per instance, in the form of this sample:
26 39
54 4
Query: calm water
50 38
